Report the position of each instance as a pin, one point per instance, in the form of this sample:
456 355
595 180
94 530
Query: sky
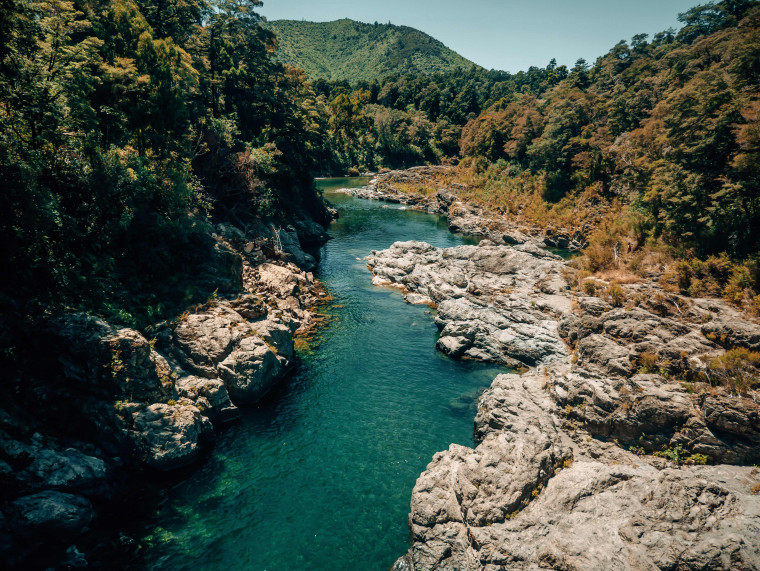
509 35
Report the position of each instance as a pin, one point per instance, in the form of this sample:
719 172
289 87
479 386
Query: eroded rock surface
563 475
495 303
530 496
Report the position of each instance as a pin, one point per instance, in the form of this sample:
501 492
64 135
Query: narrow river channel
319 475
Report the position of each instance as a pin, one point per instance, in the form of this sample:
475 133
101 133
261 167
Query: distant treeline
127 126
669 126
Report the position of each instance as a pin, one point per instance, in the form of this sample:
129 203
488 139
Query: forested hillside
125 128
354 51
656 144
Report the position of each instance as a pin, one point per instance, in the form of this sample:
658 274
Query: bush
647 362
589 287
616 294
737 369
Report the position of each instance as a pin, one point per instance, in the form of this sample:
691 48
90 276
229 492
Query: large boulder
167 436
495 303
51 514
248 356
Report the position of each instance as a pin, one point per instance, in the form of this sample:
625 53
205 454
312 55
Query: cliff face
593 458
102 402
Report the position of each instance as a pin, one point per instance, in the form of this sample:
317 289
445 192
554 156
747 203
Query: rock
563 475
291 245
487 304
310 232
248 356
167 436
51 514
210 396
527 497
252 369
105 360
514 237
74 558
68 469
281 281
125 400
731 331
604 354
39 463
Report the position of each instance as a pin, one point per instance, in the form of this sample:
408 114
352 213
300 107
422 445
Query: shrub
737 369
647 362
616 294
684 274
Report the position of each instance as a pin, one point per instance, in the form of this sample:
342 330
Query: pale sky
510 35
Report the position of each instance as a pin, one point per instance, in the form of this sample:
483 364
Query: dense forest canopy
667 125
127 126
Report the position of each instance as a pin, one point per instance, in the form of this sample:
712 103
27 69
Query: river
319 475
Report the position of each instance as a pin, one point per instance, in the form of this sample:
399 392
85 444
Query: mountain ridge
349 50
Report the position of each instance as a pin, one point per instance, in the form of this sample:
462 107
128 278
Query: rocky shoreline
398 187
593 459
108 403
619 447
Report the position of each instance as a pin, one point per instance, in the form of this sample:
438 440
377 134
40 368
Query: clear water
319 475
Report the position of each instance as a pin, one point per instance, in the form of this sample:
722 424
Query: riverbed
319 475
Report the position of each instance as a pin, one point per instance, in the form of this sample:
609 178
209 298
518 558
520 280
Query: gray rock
732 332
68 469
248 356
551 483
490 300
51 514
252 369
210 396
528 497
168 436
604 354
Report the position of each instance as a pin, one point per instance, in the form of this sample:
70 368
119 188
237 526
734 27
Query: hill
353 51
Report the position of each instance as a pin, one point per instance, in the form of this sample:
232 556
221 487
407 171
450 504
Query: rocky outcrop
111 399
529 496
495 303
400 186
594 458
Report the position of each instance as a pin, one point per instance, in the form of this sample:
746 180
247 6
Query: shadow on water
319 474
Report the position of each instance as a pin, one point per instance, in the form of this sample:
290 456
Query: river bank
629 443
104 410
431 189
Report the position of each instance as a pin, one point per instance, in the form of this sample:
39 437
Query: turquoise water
319 475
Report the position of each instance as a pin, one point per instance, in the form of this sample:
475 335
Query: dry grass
621 276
